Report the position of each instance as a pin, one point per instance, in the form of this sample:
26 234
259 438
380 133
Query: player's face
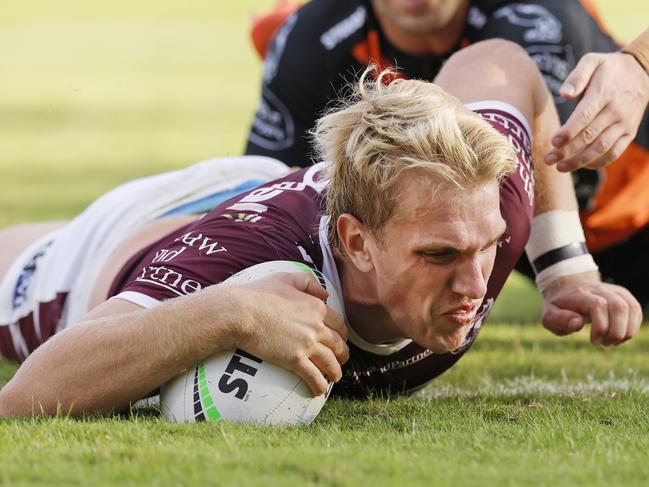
434 259
419 17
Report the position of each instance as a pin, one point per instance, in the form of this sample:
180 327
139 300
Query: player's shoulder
560 7
332 23
317 35
536 21
293 202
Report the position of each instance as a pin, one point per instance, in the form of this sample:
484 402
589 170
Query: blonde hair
384 130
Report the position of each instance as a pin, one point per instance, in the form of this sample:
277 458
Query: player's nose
469 279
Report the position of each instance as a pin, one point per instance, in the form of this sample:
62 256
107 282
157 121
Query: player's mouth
462 315
411 6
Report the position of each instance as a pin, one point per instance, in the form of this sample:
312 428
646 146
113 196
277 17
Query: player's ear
354 239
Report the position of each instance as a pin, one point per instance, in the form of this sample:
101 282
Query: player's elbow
18 399
8 401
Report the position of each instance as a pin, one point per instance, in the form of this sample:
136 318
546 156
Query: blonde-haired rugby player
418 214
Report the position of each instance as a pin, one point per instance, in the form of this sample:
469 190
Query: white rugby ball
234 386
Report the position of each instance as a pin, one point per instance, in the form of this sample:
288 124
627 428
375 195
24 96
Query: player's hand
289 324
615 315
615 91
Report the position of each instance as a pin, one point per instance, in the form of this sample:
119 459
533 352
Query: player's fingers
635 312
583 139
598 313
311 375
583 115
561 321
327 363
578 79
635 320
632 330
612 155
601 146
305 282
336 322
332 340
618 319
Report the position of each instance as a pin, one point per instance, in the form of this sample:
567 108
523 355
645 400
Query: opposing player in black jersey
328 42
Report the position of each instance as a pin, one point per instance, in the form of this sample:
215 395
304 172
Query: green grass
94 94
522 408
465 442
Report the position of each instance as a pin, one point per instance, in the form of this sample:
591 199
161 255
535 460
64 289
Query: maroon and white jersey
276 221
284 220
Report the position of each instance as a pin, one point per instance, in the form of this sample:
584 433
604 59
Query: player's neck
438 42
364 311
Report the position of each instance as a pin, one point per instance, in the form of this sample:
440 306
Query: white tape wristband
556 247
552 230
574 265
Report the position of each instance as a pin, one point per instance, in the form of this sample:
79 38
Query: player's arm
615 93
120 352
566 273
572 290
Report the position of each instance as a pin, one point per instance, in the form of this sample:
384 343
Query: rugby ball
235 386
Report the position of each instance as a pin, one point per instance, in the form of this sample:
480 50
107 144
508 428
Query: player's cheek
487 261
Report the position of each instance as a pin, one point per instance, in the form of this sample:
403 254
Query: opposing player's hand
289 324
615 315
615 90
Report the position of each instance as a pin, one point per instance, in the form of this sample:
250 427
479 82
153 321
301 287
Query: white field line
532 386
519 386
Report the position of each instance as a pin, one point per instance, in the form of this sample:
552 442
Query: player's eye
491 246
440 256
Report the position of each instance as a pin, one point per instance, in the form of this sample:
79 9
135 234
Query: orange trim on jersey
369 51
265 25
622 205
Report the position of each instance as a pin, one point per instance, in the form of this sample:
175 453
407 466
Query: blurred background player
318 47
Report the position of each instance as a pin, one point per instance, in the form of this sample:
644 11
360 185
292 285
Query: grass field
93 94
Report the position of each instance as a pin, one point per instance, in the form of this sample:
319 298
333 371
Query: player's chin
446 340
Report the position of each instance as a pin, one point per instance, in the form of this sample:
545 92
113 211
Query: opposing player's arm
120 352
562 38
555 34
615 93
